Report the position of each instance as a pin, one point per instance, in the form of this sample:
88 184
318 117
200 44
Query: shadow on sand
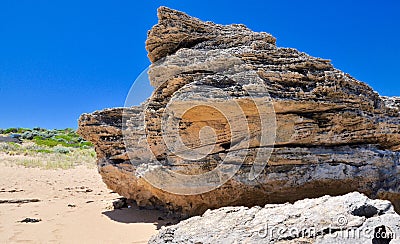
134 214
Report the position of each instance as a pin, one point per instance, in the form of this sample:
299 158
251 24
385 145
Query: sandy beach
74 206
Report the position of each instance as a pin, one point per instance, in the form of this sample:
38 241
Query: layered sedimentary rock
228 94
352 218
392 102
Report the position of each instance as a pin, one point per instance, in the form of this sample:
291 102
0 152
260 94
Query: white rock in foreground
351 218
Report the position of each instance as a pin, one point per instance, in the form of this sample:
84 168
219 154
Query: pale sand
88 222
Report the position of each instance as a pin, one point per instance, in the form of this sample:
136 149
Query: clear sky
59 58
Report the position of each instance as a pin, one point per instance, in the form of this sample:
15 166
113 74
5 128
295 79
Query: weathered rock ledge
352 218
392 102
332 134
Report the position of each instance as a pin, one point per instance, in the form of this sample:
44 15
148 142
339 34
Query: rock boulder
352 218
289 125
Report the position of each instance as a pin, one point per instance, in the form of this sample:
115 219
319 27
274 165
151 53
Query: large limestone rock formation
321 131
352 218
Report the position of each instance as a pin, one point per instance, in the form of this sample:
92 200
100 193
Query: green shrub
11 130
62 150
39 129
22 130
28 135
66 138
86 144
46 134
60 140
45 142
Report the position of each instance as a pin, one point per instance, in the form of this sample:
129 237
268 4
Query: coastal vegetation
43 148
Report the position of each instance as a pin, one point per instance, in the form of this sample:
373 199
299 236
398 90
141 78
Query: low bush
62 150
10 130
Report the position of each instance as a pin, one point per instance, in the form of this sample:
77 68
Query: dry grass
31 155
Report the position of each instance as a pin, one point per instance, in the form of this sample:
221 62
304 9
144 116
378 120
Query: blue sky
59 59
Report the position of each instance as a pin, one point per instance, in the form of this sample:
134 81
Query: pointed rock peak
165 13
176 30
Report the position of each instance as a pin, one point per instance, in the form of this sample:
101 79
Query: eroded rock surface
331 133
392 102
352 218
